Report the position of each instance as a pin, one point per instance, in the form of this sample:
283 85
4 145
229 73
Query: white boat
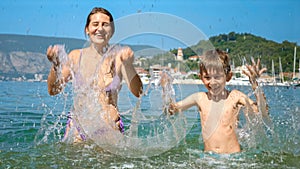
275 82
296 81
240 81
144 78
239 78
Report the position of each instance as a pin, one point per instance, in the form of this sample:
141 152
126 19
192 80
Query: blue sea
32 126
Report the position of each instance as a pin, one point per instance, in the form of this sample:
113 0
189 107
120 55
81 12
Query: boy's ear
229 76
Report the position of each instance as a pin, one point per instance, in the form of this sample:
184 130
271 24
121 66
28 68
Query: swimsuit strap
115 85
80 56
78 79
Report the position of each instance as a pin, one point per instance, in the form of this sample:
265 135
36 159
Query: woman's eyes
105 24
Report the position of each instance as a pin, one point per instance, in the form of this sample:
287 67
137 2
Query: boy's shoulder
236 94
200 95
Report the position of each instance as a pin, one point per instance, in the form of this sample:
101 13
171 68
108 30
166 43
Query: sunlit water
32 126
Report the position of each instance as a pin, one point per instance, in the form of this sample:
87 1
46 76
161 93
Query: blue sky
275 20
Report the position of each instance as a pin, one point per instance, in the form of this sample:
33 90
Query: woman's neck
100 49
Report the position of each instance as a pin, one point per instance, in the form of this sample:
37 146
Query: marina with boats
153 75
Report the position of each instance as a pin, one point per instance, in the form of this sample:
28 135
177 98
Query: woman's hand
52 55
125 56
112 117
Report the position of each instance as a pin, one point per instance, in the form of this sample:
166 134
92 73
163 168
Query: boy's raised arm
254 72
184 104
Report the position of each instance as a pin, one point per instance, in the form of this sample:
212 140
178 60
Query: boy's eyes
207 77
217 77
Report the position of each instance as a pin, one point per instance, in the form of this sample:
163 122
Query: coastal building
141 70
194 58
144 75
179 54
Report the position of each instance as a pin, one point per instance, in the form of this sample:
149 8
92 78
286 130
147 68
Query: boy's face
214 81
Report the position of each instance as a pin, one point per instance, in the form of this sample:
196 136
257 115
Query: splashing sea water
151 131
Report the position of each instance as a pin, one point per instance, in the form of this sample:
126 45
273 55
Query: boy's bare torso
219 122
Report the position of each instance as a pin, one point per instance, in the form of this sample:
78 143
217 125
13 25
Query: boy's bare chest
223 110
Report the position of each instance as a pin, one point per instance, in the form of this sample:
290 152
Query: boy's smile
214 81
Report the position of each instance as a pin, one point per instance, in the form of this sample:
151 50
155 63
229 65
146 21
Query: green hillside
243 46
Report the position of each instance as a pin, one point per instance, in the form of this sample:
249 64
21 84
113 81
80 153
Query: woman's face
99 29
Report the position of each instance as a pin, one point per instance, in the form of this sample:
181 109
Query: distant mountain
38 44
148 52
25 55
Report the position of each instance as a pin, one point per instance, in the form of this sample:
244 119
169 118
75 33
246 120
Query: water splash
150 132
63 58
265 131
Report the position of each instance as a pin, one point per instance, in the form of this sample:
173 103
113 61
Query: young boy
219 107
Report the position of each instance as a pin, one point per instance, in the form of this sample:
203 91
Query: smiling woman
100 25
98 68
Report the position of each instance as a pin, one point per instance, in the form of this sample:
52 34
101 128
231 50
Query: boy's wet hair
216 59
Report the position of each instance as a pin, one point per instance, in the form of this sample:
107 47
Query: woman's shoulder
75 54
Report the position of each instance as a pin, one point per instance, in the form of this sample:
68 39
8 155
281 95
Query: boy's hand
254 71
172 108
165 79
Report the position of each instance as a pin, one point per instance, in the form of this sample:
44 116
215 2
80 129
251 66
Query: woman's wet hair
104 11
215 59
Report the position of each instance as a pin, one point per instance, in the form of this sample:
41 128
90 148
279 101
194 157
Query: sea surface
32 126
